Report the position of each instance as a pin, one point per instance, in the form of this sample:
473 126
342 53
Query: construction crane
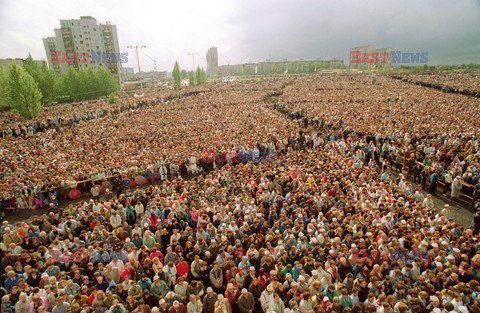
138 63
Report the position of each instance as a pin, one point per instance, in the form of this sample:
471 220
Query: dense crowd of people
422 132
459 81
316 229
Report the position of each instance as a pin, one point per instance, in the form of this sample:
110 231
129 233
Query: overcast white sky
254 30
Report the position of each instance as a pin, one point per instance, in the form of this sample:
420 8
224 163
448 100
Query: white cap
434 298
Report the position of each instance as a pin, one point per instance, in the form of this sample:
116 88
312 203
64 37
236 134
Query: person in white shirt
139 208
267 300
428 202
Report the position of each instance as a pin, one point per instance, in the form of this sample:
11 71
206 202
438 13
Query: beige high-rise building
84 36
212 61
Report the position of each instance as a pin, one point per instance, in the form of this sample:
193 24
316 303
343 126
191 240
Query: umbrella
157 176
132 183
140 180
74 194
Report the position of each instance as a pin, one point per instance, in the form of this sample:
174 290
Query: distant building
5 63
212 61
128 72
369 49
83 35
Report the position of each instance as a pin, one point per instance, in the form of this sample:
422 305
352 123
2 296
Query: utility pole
193 59
138 62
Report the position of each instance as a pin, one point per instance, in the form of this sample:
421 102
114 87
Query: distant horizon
251 32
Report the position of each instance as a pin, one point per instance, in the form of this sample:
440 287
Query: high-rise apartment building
212 61
85 38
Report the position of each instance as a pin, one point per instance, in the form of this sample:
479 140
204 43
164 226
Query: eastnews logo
244 157
86 57
395 256
397 57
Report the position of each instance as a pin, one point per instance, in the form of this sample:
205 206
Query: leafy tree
70 88
183 74
108 83
191 79
23 92
3 88
46 79
201 77
177 80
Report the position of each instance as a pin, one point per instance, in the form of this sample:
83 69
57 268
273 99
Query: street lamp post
193 59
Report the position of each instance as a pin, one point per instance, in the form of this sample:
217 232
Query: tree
177 81
3 88
201 77
46 79
108 83
23 92
191 79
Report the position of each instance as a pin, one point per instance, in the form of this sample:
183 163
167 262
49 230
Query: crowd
130 143
423 134
458 81
298 234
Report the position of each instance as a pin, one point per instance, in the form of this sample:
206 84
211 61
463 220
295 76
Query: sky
254 30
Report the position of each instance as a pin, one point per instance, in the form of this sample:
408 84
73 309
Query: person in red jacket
182 268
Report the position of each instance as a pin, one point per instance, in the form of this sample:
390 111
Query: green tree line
195 78
26 88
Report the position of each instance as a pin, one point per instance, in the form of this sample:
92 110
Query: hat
270 288
155 278
434 298
244 290
176 304
314 272
44 275
437 310
155 309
